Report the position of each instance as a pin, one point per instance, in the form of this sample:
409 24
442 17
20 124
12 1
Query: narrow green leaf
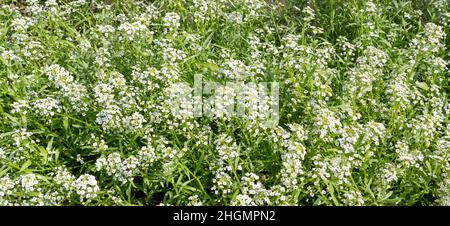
25 165
422 85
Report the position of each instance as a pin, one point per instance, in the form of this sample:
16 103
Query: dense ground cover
98 102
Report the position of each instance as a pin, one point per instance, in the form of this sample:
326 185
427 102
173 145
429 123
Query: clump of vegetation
99 102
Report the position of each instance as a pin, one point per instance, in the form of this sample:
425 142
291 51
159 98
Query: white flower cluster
64 178
98 106
6 189
179 101
348 50
103 57
22 23
309 15
110 118
444 190
336 170
369 69
228 154
85 45
28 182
121 170
147 155
106 30
194 201
171 21
292 154
23 144
86 187
9 56
46 107
222 183
370 8
326 123
430 41
253 192
146 77
424 127
132 29
134 122
236 70
353 198
226 147
75 92
20 106
204 10
33 50
391 173
98 143
399 91
406 156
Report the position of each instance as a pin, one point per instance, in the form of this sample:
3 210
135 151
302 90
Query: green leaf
331 189
50 144
56 155
10 117
422 85
66 123
44 152
387 195
25 165
403 68
3 172
210 66
386 42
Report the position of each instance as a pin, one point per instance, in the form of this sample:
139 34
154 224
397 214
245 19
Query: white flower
63 177
86 187
132 29
6 188
70 88
171 20
28 182
121 170
46 107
